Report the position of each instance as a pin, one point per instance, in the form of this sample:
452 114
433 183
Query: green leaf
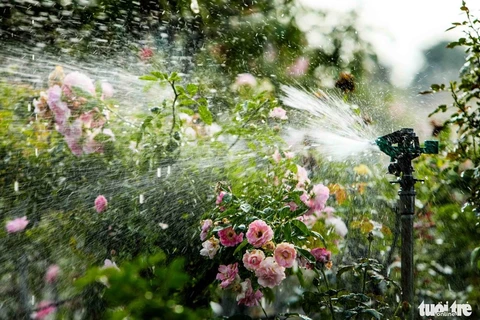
245 207
306 254
373 312
344 269
192 89
174 77
240 246
301 227
319 236
146 123
158 75
148 78
205 114
475 255
186 111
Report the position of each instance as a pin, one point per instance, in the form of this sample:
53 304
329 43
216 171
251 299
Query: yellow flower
339 192
362 170
269 246
329 265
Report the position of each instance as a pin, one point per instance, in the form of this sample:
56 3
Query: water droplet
163 225
16 186
194 6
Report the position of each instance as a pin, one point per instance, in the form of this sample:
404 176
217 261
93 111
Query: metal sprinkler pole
403 146
407 210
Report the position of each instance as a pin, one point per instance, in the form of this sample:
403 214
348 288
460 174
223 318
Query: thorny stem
172 84
329 297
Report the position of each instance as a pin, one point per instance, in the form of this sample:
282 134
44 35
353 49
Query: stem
370 239
22 264
396 233
264 312
120 117
172 84
329 297
246 122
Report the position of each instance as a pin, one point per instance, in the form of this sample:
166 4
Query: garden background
153 168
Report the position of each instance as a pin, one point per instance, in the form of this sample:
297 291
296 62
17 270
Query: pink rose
321 196
210 247
60 108
109 264
293 206
285 254
107 90
289 155
270 273
101 203
44 309
245 79
16 225
248 297
220 197
278 113
322 255
80 81
73 134
299 67
259 233
302 177
206 225
229 238
276 156
146 53
252 259
52 273
227 274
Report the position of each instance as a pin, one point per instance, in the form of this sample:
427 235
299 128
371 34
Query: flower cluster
74 105
264 253
269 271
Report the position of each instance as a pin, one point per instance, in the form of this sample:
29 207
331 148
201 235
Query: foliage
145 288
464 115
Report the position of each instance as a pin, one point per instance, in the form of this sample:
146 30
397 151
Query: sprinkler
402 146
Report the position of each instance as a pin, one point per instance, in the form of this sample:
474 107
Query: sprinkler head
403 146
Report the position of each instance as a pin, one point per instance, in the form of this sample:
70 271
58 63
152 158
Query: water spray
403 146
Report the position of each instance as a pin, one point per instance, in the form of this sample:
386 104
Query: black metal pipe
407 210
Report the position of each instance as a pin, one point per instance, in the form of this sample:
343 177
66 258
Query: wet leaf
205 114
475 255
148 78
301 227
240 246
